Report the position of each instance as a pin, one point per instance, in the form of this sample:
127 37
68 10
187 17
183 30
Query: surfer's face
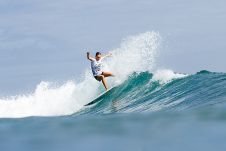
98 57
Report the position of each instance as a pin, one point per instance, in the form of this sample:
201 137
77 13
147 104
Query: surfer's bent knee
99 77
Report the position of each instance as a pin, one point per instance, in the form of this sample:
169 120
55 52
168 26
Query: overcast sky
47 39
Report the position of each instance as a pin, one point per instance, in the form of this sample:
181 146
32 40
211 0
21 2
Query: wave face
143 93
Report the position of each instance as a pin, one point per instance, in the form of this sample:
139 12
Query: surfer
96 66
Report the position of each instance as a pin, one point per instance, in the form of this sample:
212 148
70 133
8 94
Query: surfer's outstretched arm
89 58
107 55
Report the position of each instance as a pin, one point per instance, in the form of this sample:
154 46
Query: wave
141 92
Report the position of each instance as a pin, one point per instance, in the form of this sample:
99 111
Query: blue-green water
140 114
142 94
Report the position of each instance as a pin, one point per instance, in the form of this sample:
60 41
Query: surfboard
99 97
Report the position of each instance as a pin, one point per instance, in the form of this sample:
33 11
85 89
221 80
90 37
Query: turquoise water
140 93
188 113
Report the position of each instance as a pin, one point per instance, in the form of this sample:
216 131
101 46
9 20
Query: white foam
166 75
136 54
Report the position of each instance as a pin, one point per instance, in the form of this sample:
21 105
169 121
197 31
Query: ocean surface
169 89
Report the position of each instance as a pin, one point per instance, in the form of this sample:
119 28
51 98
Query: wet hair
98 53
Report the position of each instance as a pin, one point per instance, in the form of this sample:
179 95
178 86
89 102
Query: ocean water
202 129
169 92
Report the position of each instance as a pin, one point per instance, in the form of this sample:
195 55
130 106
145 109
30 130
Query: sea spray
136 54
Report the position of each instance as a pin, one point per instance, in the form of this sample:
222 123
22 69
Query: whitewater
140 86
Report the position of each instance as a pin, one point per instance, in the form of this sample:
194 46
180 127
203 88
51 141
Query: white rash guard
96 67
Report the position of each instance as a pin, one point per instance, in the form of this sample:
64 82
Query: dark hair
98 53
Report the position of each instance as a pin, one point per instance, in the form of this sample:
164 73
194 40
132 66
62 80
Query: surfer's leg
107 74
102 78
104 82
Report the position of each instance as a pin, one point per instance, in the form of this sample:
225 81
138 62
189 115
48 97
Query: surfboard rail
98 98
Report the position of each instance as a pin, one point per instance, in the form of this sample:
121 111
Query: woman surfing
96 66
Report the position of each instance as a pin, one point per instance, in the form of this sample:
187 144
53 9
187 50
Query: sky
47 39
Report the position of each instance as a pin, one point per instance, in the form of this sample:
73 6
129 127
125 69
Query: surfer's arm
107 55
89 58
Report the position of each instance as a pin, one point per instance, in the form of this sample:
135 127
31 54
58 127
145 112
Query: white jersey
96 67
